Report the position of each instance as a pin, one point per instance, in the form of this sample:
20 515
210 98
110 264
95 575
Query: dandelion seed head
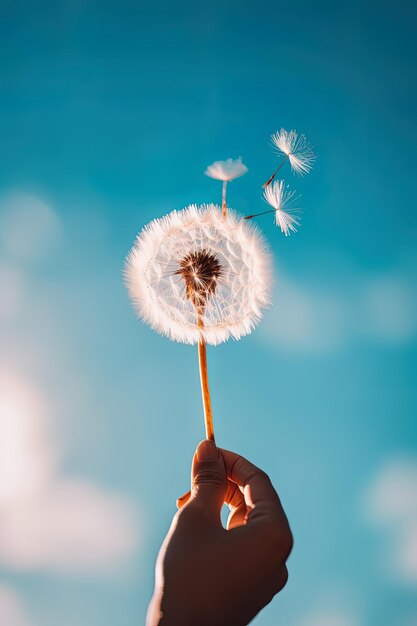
226 170
194 274
280 197
200 271
297 149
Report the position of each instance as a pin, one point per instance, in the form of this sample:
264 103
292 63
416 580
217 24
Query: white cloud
12 612
311 318
338 604
392 495
74 526
406 557
304 319
391 505
11 290
390 305
48 521
28 226
27 457
329 617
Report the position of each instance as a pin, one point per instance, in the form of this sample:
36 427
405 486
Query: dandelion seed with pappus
226 171
279 196
296 149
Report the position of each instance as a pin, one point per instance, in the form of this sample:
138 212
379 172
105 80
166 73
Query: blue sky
110 113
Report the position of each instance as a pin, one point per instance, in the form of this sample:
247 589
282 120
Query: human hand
207 575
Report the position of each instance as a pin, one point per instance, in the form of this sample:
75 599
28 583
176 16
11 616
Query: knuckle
288 542
186 517
276 583
281 541
264 475
281 579
210 476
254 471
230 492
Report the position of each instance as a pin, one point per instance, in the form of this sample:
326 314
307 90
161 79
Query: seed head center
200 271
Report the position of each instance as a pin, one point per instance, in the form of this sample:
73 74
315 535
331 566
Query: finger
209 481
237 505
235 501
183 499
232 498
260 496
238 516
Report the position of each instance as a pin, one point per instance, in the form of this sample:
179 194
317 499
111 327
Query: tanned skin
207 575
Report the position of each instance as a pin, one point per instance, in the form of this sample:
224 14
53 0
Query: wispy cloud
329 617
390 308
390 504
303 319
74 526
381 309
336 604
11 289
48 521
12 612
29 228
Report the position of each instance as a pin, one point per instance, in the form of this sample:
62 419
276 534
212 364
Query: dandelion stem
249 217
224 205
271 178
205 390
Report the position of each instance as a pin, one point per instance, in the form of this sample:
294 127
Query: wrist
164 611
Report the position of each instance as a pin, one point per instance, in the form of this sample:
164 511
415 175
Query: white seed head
226 170
194 274
297 148
280 197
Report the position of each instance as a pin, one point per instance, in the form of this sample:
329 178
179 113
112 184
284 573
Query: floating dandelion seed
296 149
226 171
280 197
199 277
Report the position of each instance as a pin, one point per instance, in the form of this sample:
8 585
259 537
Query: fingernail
207 451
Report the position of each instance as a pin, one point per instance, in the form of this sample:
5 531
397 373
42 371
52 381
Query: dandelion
296 149
198 277
226 171
193 259
280 197
202 275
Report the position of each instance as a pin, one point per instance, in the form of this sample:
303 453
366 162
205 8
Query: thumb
208 479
